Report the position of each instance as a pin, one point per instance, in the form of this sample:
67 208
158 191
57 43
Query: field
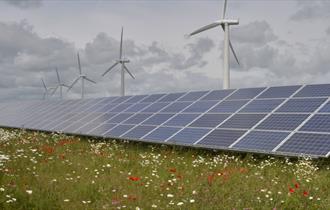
55 171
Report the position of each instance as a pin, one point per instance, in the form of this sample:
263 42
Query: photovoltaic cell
118 130
193 96
318 123
101 129
221 138
326 108
171 97
262 106
137 107
176 107
152 98
282 122
243 121
135 99
307 143
217 95
301 105
119 118
137 118
200 106
209 120
181 120
139 131
314 91
189 135
162 133
247 93
120 107
157 119
261 140
279 92
155 107
229 106
121 99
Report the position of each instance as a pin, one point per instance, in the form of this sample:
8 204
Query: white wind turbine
81 77
59 84
121 61
224 23
46 93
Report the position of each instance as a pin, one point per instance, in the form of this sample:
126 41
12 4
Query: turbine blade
121 44
43 83
109 69
128 71
58 76
231 47
54 91
233 51
79 65
86 78
67 86
74 82
212 25
224 9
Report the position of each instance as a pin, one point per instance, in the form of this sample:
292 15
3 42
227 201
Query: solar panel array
288 120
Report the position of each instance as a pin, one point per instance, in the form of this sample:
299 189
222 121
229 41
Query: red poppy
291 190
296 185
305 193
134 178
210 179
172 170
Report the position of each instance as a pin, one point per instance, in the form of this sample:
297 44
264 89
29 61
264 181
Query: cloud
309 10
25 4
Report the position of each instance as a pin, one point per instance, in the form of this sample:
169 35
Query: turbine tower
81 77
121 61
224 23
46 93
59 85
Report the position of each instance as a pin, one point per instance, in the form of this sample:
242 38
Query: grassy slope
47 171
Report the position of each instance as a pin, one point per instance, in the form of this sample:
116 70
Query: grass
52 171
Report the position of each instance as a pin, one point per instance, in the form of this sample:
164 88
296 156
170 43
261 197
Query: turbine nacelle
123 61
228 21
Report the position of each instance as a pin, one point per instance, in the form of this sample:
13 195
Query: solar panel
285 122
189 135
301 105
221 138
290 120
307 144
279 92
261 140
318 123
243 121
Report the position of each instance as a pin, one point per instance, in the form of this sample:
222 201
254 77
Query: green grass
51 171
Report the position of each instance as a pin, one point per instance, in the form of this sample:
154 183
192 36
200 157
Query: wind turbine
224 23
59 85
81 77
46 93
121 61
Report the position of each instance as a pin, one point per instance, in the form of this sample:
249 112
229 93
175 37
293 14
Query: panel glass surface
137 118
162 133
228 106
200 106
326 108
209 120
301 105
279 92
306 143
314 91
244 121
120 107
261 140
176 107
137 107
101 129
157 119
136 99
264 106
155 107
217 95
282 122
221 137
118 130
247 93
189 135
152 98
138 131
318 123
193 96
119 118
171 97
181 119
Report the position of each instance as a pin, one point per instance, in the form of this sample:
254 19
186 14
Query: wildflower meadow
54 171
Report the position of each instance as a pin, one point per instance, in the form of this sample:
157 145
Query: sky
278 42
